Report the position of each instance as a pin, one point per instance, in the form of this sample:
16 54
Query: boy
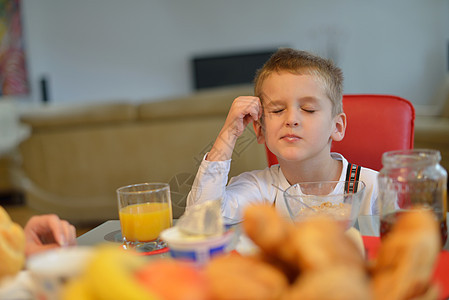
297 111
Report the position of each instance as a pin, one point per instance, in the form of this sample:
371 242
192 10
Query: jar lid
410 157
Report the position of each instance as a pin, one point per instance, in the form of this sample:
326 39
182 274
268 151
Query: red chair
375 124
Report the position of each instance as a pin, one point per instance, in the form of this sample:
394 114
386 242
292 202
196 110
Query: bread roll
235 277
334 283
12 246
317 259
406 259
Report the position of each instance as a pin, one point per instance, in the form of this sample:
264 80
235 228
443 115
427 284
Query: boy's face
298 123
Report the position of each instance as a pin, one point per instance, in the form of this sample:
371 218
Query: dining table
368 226
22 286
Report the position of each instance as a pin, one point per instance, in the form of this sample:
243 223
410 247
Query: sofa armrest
76 115
208 102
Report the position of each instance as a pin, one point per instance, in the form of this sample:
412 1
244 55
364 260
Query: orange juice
144 222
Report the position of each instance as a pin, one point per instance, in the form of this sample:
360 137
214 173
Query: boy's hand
244 110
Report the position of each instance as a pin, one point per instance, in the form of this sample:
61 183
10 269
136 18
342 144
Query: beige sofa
78 156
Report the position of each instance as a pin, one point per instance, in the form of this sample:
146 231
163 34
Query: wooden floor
20 213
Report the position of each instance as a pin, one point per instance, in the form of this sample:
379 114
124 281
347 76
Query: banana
109 275
77 289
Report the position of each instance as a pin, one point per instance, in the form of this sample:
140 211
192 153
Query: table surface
23 287
368 226
109 231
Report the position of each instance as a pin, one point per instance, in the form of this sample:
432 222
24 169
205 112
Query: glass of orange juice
145 211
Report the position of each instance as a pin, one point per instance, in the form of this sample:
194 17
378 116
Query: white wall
111 49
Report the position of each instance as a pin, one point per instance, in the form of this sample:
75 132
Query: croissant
405 262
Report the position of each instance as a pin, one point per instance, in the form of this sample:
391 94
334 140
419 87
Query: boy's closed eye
274 107
308 109
309 105
277 110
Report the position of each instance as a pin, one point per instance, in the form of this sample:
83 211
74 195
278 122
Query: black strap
352 176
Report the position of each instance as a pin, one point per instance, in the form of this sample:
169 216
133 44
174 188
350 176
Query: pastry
334 283
317 259
405 263
272 234
321 243
12 246
244 277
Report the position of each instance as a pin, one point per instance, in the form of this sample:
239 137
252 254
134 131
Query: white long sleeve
256 186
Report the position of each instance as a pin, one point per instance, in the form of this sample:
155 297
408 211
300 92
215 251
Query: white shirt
256 187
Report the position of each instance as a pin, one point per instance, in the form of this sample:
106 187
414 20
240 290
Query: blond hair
305 63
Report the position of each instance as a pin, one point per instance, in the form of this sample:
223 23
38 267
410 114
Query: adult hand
44 232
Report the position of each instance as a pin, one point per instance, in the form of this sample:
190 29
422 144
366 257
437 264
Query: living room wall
101 50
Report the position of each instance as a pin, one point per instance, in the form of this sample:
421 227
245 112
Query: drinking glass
145 211
325 197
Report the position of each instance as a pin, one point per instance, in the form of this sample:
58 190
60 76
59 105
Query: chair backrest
375 124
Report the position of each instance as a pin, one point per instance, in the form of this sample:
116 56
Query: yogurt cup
198 249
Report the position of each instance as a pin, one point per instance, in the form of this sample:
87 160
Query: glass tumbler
145 211
412 179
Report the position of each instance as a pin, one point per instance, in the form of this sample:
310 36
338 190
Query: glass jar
410 179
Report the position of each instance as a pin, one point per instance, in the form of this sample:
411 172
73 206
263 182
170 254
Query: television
228 69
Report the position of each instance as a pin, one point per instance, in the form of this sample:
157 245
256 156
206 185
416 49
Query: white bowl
196 249
325 197
51 269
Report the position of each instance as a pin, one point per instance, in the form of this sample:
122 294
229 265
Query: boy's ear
340 127
260 134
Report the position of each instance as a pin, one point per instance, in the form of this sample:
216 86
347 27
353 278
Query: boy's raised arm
244 110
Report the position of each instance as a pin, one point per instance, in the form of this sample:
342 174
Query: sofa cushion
433 133
432 129
445 109
86 114
443 97
208 102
